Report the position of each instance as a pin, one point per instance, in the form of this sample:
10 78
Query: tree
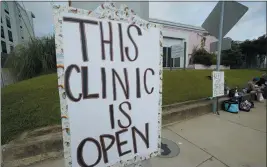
233 56
34 58
254 49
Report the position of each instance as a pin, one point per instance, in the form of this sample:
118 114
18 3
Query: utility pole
215 101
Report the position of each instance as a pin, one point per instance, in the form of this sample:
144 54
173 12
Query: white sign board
217 83
110 88
177 51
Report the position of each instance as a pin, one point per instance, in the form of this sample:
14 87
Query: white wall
203 67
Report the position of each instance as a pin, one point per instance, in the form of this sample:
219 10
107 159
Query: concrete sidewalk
234 140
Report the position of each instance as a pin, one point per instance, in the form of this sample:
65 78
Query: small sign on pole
217 83
109 85
177 51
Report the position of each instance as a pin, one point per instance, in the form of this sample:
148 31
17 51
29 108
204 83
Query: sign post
106 83
184 55
219 22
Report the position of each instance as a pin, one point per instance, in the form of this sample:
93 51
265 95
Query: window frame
2 31
8 21
3 42
10 36
6 8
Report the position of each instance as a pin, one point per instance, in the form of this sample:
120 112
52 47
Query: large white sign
110 89
217 83
177 51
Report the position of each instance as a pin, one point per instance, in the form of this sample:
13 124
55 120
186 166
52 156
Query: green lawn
35 103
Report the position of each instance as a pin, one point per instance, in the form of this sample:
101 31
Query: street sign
107 80
217 83
233 11
226 44
177 51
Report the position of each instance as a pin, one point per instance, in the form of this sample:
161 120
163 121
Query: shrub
34 58
201 56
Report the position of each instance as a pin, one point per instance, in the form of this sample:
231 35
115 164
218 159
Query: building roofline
179 25
22 8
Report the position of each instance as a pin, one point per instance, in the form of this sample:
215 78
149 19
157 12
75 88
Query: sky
250 26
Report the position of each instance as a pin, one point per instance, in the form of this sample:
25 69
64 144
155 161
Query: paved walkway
234 140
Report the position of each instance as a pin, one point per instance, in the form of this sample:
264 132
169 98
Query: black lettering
138 89
145 139
111 115
124 87
104 148
121 42
67 84
80 158
119 143
125 114
152 89
103 42
131 38
104 83
85 85
82 33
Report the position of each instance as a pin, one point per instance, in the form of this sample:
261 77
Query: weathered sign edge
130 17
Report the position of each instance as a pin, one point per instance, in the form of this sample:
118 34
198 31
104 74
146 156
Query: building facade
16 25
173 33
178 34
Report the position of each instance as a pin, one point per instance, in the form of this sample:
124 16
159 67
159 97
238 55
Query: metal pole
184 55
215 101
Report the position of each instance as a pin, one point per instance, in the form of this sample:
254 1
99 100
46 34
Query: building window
5 7
3 44
11 47
167 60
8 22
21 32
10 36
2 32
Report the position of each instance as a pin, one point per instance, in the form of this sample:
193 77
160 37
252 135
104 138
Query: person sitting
262 81
255 90
252 87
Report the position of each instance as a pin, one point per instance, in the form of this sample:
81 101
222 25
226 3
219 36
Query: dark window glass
2 32
177 62
164 57
169 59
5 7
8 23
3 44
10 36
